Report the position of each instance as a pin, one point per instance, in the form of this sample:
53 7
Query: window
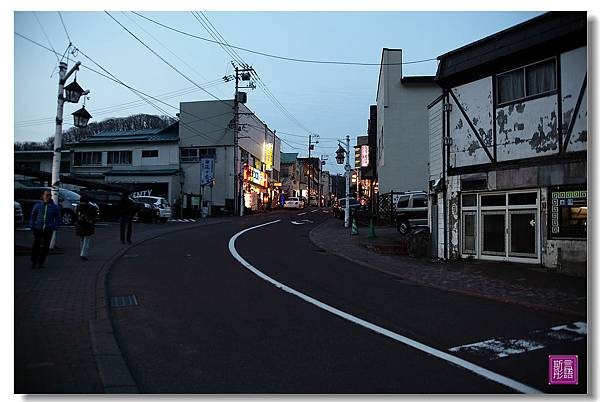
87 158
535 79
28 166
403 201
522 199
469 200
189 154
495 200
65 166
118 157
419 201
568 216
150 153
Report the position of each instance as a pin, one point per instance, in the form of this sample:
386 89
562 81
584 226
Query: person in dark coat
86 218
44 220
126 212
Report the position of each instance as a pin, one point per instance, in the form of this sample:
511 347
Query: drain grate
123 301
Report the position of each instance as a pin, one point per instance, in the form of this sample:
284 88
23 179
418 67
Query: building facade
401 121
290 174
208 159
508 146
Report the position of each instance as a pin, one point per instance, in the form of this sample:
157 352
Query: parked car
313 201
339 207
294 202
161 203
18 214
411 211
67 202
109 205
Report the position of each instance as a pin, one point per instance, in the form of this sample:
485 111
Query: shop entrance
501 226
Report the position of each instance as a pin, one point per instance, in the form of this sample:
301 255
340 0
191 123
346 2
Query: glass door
522 233
493 230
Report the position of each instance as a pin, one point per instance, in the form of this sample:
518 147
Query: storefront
255 188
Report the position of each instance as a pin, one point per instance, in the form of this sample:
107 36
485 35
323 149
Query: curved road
207 324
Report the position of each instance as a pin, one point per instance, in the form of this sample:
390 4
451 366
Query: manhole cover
123 301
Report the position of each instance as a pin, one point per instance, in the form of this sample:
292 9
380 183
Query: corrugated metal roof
145 135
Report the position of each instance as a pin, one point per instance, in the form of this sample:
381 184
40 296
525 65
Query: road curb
115 374
448 289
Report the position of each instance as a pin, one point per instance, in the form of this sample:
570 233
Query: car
67 201
161 204
410 211
18 214
109 205
293 202
339 207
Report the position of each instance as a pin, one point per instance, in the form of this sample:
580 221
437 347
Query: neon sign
255 176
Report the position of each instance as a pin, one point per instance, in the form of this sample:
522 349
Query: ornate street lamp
81 117
339 155
73 92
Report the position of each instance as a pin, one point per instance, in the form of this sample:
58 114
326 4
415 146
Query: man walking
86 217
44 220
126 212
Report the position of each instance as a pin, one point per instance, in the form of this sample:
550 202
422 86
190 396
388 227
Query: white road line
301 213
481 371
539 339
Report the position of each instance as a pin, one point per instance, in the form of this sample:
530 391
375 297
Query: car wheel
68 218
404 227
136 217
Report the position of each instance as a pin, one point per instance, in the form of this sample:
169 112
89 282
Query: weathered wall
573 71
527 129
453 207
435 140
476 100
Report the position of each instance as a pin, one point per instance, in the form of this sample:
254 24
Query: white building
207 151
139 160
402 139
508 146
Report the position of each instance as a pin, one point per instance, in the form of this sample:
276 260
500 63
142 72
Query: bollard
371 228
354 228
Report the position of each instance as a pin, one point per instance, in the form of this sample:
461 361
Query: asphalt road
207 324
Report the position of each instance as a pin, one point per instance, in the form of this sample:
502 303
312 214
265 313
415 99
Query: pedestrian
45 219
126 212
86 218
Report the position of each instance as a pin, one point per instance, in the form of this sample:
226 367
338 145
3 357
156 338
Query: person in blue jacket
45 219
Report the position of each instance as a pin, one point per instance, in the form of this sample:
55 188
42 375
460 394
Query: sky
331 100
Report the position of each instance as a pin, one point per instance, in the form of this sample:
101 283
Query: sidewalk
522 284
59 308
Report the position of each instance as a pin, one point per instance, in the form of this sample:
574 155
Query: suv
67 201
411 211
161 203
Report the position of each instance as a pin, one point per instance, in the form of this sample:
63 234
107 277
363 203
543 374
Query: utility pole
348 170
311 146
73 95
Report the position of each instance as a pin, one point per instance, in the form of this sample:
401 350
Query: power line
347 63
45 35
166 61
64 26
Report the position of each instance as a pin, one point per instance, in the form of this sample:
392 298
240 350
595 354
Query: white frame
478 209
518 212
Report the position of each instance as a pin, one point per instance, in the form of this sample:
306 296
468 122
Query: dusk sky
331 100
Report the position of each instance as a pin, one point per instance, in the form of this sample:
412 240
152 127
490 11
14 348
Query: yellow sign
269 156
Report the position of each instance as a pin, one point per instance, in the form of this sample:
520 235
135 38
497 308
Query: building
207 155
141 161
310 169
508 146
290 174
325 184
401 120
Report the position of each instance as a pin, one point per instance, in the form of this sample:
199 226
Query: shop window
568 215
494 200
492 227
87 158
188 154
469 200
535 79
469 231
522 199
118 157
150 153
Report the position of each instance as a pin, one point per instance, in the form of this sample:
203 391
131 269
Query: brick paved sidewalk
522 284
55 305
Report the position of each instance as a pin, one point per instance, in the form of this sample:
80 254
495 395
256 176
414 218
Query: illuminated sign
364 156
269 156
253 175
277 184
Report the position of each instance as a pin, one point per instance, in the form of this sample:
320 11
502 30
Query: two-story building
508 146
144 161
290 174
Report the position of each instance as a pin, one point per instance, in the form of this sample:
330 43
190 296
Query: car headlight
74 204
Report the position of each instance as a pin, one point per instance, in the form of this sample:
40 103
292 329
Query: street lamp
339 158
73 92
339 155
81 117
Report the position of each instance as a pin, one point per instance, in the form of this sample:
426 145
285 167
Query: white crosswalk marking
503 347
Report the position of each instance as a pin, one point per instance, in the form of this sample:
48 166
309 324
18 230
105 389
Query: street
207 323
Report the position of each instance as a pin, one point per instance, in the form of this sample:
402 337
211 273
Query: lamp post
70 93
339 157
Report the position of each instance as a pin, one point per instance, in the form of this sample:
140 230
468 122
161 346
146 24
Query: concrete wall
402 128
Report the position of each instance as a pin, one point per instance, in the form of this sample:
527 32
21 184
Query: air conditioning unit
242 97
